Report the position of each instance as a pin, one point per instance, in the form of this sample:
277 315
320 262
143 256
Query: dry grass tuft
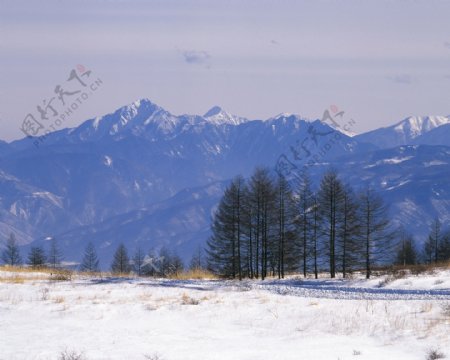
25 269
61 275
195 274
446 309
154 356
13 280
187 300
59 300
19 275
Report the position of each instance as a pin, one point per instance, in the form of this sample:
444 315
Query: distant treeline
267 226
161 264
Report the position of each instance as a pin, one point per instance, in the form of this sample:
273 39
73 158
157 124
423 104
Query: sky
379 61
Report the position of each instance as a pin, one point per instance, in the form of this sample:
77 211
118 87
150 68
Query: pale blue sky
380 61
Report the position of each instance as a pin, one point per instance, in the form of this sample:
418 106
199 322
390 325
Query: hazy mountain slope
180 223
437 136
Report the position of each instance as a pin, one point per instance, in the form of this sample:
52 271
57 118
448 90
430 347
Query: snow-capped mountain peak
219 116
415 126
405 132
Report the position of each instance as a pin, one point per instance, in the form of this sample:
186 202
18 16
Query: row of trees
436 248
37 257
437 245
162 263
267 226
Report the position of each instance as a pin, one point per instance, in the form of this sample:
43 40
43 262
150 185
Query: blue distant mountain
146 177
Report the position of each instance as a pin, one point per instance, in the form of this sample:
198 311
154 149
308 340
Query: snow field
119 318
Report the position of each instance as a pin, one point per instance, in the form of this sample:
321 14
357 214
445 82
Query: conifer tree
225 246
11 253
90 262
36 257
121 261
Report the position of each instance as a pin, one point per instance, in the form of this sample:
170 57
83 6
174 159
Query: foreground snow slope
116 318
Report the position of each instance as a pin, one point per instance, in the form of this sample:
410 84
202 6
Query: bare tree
431 246
406 253
138 261
349 232
285 207
375 230
305 205
197 261
54 254
330 196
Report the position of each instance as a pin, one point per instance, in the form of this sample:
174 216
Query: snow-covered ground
135 318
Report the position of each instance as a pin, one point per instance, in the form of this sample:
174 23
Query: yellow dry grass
22 269
12 280
19 275
59 300
194 274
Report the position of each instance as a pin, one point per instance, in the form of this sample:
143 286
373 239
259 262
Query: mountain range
149 178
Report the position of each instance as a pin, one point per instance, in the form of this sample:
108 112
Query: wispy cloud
447 44
196 57
401 79
274 42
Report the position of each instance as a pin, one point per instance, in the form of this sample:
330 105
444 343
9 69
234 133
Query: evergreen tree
11 253
238 190
90 262
176 265
168 263
224 248
121 261
36 257
54 254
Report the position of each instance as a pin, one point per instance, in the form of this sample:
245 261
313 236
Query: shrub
71 355
434 354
